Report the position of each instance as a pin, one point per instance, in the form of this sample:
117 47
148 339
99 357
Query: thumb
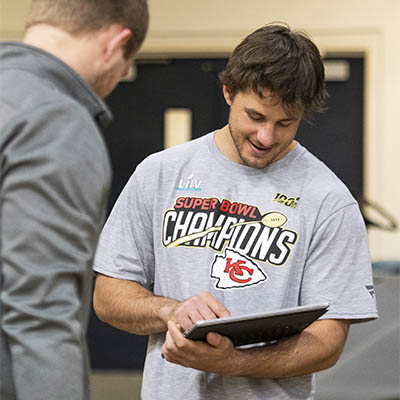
216 340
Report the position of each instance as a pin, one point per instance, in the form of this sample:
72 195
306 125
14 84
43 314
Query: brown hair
85 16
285 62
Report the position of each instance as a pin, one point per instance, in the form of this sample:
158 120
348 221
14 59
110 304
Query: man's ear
227 94
117 38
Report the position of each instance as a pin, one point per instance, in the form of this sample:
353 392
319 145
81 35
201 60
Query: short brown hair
85 16
285 62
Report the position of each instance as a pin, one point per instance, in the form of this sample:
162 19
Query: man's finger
218 309
175 332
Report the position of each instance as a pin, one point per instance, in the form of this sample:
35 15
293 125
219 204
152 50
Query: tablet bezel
266 327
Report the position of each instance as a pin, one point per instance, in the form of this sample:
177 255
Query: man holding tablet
243 220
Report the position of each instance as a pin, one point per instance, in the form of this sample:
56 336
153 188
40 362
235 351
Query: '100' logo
285 200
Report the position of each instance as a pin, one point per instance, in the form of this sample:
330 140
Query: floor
121 385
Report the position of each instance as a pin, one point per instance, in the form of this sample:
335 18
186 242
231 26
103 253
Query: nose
266 134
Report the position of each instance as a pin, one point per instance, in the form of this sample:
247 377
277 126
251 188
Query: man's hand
197 308
139 311
216 355
316 348
129 306
210 356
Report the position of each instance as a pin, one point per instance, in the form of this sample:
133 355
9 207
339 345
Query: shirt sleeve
125 248
338 268
55 179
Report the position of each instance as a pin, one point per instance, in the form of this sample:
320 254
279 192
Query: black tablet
258 328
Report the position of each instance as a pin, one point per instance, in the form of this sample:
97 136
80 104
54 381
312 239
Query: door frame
368 44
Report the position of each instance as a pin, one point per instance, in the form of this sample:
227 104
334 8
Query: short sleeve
125 248
338 267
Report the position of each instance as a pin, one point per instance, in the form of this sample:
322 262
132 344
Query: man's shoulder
35 111
23 91
321 184
62 129
316 169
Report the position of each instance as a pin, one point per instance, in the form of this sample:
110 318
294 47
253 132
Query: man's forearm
317 348
129 306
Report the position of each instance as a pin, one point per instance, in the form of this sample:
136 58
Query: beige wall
208 27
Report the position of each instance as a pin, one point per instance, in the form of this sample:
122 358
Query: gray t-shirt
190 220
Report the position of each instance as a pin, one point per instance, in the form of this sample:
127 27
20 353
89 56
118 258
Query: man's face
262 131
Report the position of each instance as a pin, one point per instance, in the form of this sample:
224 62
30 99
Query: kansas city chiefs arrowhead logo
233 270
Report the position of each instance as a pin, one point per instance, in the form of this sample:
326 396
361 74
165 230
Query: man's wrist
165 311
232 365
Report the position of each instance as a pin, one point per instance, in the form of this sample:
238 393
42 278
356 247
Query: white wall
214 27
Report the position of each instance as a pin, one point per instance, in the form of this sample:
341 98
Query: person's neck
224 142
77 51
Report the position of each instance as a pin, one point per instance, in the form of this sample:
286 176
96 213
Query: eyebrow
288 119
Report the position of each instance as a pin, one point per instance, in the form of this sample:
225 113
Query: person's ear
117 39
227 95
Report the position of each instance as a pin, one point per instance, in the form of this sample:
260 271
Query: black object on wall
336 137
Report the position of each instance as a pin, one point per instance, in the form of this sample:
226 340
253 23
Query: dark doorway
336 137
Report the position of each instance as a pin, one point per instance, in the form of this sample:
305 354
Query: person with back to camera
185 242
55 178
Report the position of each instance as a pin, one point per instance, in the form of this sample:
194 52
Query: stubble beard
246 161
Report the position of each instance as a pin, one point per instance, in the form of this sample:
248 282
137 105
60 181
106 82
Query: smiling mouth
260 149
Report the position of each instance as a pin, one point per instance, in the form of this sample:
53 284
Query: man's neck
77 51
224 142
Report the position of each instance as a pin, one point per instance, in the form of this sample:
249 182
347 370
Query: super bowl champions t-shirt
190 220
